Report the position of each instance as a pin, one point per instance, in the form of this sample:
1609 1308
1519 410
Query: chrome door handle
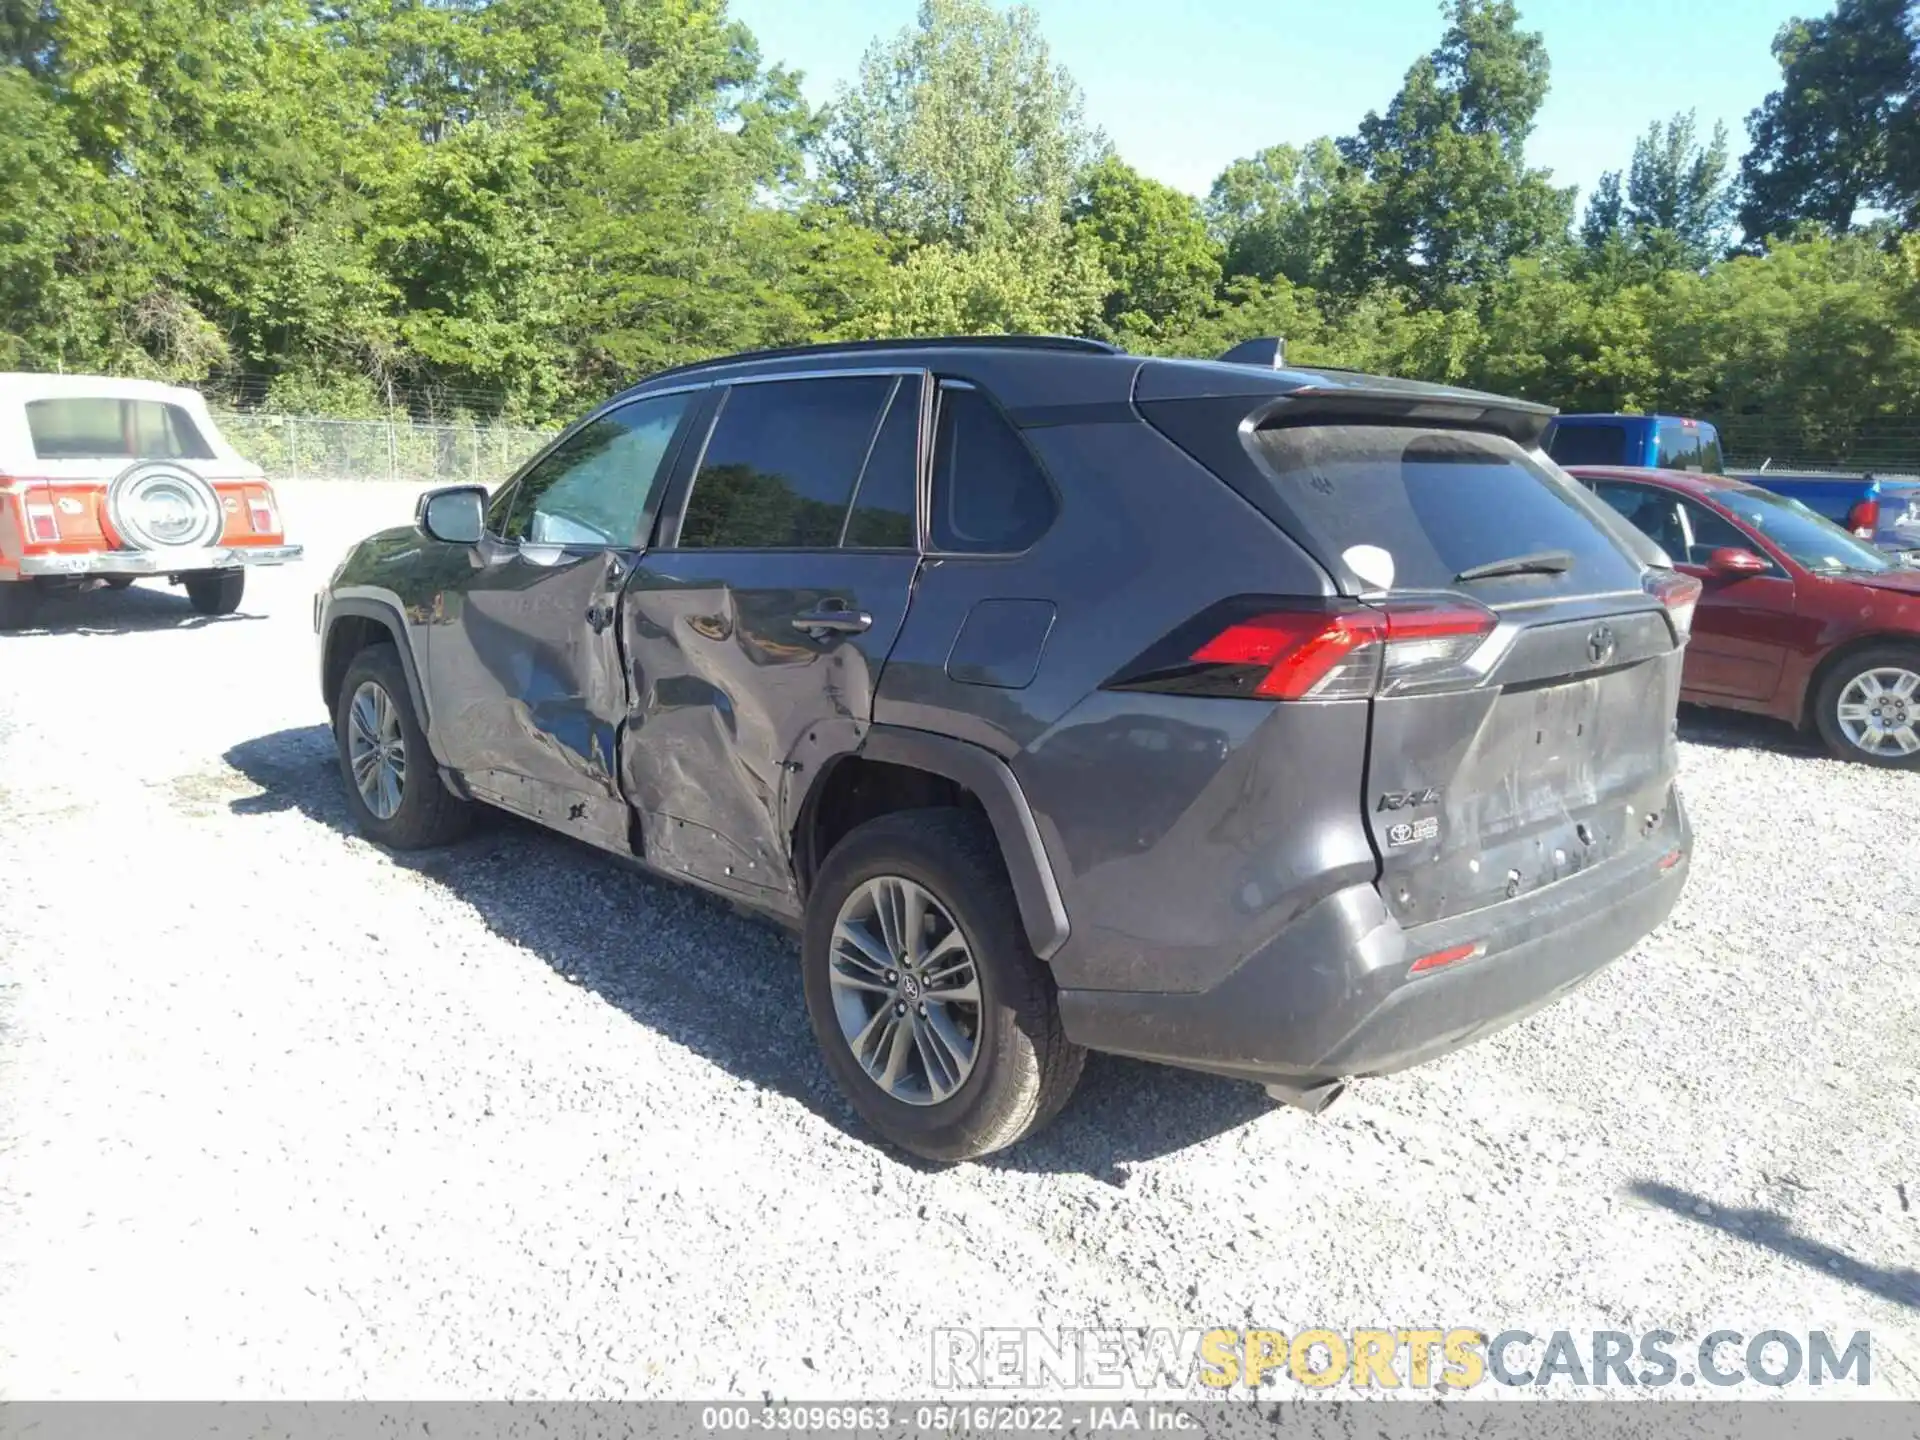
843 622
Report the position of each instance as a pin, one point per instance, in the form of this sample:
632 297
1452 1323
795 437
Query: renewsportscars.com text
1416 1358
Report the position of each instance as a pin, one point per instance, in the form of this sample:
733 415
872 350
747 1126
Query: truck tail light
1864 518
42 518
1270 649
1679 593
262 512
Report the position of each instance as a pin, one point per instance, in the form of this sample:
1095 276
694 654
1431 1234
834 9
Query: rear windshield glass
85 427
1687 445
1589 444
1440 502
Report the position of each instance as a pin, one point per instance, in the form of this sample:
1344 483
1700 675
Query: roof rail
913 342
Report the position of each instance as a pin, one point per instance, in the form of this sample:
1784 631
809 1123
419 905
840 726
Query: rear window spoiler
1521 421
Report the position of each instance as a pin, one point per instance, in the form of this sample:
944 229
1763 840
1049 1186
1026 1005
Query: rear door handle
843 622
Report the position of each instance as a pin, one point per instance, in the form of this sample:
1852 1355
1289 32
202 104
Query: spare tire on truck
162 505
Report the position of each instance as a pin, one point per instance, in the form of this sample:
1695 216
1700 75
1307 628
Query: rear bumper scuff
1331 995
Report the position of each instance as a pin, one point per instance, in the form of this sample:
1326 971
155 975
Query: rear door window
1589 444
86 427
781 464
885 502
1440 502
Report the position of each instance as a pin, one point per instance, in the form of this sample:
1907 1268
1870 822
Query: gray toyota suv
1284 723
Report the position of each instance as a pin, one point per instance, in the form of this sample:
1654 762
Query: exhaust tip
1311 1098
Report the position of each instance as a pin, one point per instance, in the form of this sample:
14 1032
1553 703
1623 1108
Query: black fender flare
388 615
986 776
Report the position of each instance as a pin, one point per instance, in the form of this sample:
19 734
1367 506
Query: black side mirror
456 515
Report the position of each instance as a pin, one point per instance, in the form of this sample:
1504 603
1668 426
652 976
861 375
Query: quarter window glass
96 428
989 496
883 506
782 463
595 487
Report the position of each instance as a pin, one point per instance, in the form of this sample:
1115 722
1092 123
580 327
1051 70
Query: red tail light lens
1300 653
1679 593
1864 519
262 512
42 519
1310 650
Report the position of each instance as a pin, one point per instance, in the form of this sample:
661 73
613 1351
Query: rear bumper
1331 995
158 562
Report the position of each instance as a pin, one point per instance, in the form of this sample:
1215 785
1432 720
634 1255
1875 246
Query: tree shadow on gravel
715 979
1773 1231
139 609
1736 730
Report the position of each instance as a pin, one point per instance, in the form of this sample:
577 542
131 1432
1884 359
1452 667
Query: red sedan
1798 619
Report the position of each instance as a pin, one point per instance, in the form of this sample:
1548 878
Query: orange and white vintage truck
108 481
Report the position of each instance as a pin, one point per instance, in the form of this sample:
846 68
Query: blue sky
1183 88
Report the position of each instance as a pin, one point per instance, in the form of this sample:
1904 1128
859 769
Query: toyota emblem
1600 644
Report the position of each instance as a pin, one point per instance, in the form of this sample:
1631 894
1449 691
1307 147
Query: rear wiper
1541 562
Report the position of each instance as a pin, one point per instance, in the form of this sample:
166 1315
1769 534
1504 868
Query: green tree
1153 245
1036 283
1678 207
1451 200
1842 132
960 130
1276 212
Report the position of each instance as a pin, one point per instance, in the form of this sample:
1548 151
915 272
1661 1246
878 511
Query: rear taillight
261 511
1864 519
1679 593
1312 650
42 519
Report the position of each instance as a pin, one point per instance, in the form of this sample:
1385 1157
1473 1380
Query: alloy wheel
1879 711
905 990
377 749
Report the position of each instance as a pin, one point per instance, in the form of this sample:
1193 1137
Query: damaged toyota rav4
1282 723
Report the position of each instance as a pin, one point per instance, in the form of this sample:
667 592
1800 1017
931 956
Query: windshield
1812 540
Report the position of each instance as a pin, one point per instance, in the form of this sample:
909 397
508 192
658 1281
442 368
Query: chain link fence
306 447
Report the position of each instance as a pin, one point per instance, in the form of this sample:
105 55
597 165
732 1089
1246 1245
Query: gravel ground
284 1115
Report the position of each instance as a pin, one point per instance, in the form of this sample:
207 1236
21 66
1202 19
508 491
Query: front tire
393 787
1868 708
216 592
934 1016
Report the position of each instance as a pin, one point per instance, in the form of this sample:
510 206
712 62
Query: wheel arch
348 626
1839 655
915 768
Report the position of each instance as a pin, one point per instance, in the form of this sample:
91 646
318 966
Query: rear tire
424 813
1868 707
1022 1068
216 592
19 603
